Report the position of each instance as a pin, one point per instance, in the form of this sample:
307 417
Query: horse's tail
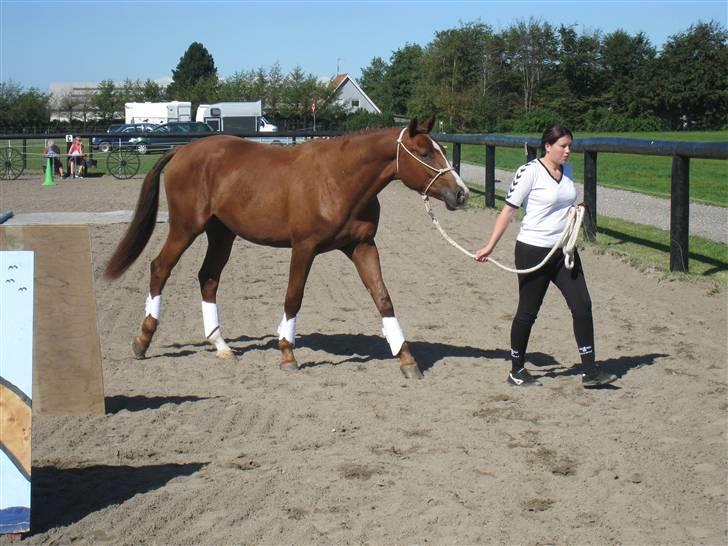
142 224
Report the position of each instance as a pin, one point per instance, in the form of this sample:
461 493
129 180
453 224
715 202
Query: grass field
640 173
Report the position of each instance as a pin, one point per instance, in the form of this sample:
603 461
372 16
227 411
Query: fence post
456 156
25 153
590 194
489 176
679 213
530 153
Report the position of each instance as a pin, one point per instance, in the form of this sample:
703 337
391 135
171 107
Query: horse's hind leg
219 244
301 259
366 259
177 242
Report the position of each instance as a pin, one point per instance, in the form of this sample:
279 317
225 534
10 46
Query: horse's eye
426 155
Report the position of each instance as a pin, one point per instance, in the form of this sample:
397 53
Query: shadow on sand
63 496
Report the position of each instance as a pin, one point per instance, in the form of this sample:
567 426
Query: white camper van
157 112
235 117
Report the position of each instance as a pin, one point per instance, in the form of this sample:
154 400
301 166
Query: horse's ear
412 128
430 123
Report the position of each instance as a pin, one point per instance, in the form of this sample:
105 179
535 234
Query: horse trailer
158 112
242 117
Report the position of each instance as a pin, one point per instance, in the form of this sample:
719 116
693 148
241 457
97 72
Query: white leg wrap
219 342
287 329
210 319
394 334
153 306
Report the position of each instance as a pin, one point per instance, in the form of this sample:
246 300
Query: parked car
161 138
117 137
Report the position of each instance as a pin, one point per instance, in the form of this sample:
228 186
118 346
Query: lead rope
567 241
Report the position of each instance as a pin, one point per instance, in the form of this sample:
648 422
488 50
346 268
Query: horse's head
423 167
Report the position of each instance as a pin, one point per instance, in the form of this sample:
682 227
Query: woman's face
559 151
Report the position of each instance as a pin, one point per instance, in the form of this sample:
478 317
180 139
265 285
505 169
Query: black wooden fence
680 151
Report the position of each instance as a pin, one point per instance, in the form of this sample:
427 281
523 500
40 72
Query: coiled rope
567 241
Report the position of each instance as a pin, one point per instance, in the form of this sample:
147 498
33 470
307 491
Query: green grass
641 173
648 247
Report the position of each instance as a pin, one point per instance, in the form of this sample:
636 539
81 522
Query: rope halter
438 172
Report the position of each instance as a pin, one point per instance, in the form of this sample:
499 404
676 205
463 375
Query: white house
348 93
72 99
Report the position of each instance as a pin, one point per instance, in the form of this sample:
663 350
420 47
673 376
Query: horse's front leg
366 259
302 256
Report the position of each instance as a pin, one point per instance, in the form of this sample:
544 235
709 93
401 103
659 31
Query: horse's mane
354 134
368 132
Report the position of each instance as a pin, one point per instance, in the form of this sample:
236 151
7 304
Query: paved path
705 220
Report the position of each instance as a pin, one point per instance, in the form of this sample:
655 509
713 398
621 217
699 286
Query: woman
75 154
545 188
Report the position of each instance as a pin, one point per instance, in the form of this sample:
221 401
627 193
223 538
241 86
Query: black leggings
531 291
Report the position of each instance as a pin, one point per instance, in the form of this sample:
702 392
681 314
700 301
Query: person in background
53 153
545 188
75 158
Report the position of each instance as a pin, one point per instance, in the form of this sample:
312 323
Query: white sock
153 306
394 334
287 329
210 319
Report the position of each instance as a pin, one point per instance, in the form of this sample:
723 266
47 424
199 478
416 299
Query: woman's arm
501 224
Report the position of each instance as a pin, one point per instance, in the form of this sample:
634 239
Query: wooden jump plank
67 376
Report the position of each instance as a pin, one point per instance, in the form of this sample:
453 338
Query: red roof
338 80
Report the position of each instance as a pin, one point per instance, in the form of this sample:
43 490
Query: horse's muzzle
456 200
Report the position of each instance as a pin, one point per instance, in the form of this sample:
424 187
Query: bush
536 121
361 119
602 120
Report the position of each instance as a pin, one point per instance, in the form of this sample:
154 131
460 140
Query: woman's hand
482 254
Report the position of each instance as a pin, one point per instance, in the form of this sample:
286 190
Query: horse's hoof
140 351
226 355
289 366
411 372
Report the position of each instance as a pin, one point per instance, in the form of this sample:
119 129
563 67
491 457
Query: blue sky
87 41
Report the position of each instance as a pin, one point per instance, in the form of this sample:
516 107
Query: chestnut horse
312 198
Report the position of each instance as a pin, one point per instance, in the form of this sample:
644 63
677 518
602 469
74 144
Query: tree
694 81
196 64
580 62
373 82
22 110
449 76
152 91
531 50
106 101
401 78
629 64
68 103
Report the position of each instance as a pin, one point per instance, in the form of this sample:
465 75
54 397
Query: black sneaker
597 378
522 378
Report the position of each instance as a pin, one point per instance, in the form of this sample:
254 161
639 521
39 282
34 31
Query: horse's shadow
115 404
362 348
205 345
63 496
